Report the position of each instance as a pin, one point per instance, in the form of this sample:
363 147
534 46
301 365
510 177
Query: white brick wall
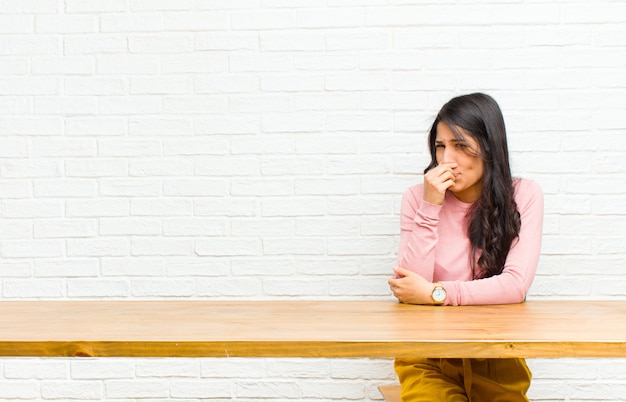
259 149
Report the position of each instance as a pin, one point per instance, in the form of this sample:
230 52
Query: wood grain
379 329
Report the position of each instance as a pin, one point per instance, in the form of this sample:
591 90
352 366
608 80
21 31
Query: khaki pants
463 380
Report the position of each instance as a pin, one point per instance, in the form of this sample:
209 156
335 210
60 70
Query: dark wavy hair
494 221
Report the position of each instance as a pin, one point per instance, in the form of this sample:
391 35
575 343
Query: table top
376 329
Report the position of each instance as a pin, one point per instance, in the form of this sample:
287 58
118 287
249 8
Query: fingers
437 181
401 272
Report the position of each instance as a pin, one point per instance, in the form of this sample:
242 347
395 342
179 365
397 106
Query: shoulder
527 193
412 198
415 192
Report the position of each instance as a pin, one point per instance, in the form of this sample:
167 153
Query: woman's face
467 167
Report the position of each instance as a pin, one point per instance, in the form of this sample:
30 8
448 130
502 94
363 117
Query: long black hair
494 221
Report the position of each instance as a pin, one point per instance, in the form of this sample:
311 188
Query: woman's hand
410 287
437 181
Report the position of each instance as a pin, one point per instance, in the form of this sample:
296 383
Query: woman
470 234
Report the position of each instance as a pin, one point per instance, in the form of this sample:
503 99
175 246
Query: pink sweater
434 243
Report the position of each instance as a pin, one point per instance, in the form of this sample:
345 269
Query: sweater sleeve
513 283
418 233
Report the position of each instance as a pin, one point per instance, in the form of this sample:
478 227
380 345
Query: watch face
439 294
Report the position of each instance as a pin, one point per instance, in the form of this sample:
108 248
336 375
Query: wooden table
377 329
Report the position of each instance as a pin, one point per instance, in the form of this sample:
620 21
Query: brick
51 228
97 288
161 167
237 287
56 147
196 266
66 24
30 6
239 246
330 17
201 389
20 390
35 369
129 227
32 168
145 246
197 21
268 389
326 61
32 288
122 389
279 166
129 148
136 266
138 104
261 187
69 268
94 44
263 20
100 126
195 187
194 104
97 208
32 209
292 42
94 86
131 22
194 63
64 105
17 269
30 86
84 390
358 41
131 187
194 227
96 168
168 368
158 288
95 6
292 83
268 103
182 43
292 122
228 166
65 188
340 186
159 5
295 287
16 24
225 206
233 367
97 247
327 227
13 105
32 45
294 206
263 266
324 389
126 64
174 85
226 83
161 207
102 369
297 246
359 81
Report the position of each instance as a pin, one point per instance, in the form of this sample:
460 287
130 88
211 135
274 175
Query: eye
460 145
439 146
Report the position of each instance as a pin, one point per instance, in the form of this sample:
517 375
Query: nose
447 155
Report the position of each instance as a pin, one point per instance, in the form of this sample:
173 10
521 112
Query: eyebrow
452 140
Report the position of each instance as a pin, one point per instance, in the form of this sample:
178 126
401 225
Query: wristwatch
439 294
